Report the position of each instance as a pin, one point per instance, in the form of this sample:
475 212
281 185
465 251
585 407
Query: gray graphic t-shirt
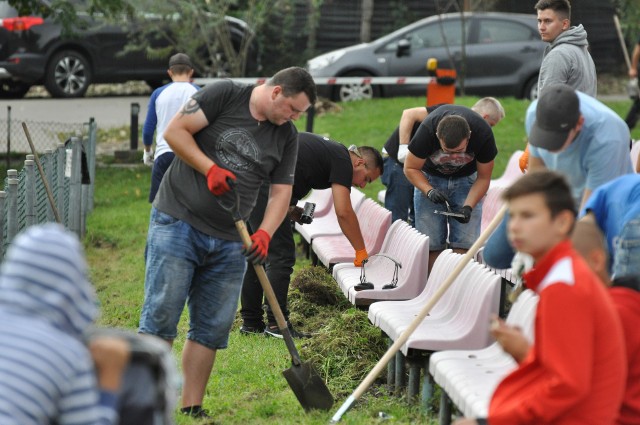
234 140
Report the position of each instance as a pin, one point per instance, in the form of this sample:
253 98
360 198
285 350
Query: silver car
503 53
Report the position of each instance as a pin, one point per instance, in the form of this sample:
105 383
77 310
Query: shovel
307 385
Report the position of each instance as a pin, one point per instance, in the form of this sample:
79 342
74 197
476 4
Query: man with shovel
322 163
226 133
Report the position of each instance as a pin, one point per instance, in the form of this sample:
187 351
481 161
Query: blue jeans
160 165
497 251
626 258
460 235
186 265
399 196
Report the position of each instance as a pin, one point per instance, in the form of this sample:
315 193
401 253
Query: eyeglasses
355 150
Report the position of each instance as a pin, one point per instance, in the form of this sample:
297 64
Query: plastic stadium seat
404 244
511 172
460 319
323 198
374 221
635 150
328 223
469 377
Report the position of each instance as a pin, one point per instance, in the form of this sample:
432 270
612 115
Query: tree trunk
365 23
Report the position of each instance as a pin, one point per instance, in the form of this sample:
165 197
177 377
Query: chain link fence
66 153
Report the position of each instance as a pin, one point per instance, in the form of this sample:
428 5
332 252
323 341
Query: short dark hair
561 7
180 69
295 80
452 130
551 184
374 157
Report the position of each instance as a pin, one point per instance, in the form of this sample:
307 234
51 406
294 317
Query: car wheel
531 89
351 92
68 74
13 89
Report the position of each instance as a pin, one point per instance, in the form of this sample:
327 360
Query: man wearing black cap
165 101
577 135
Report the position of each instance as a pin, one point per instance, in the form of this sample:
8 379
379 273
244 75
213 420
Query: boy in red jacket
575 372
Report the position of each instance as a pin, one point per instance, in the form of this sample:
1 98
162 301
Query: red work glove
217 180
257 252
361 255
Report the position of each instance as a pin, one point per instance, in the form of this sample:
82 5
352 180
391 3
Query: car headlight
325 60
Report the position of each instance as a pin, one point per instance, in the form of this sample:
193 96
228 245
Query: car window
501 31
434 34
6 11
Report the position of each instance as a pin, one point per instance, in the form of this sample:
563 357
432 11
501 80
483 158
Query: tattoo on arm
191 107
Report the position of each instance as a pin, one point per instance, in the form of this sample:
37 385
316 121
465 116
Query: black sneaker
251 330
195 412
274 332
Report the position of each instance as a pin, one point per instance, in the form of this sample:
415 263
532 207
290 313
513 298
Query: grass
246 385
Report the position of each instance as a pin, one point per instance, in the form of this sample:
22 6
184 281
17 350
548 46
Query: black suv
34 51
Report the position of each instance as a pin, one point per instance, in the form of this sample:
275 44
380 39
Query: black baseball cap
557 113
180 59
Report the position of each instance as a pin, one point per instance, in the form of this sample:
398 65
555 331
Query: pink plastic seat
328 223
635 150
512 171
374 222
403 244
323 198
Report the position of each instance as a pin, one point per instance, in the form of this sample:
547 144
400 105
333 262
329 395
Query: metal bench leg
391 370
427 388
444 417
400 371
413 389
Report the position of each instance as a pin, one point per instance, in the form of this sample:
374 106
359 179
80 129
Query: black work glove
295 213
466 210
437 197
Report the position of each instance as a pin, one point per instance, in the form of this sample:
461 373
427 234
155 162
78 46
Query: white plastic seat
469 377
403 244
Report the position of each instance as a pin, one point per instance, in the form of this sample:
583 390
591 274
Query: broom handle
52 201
404 336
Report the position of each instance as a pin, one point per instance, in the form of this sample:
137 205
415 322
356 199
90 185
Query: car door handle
528 49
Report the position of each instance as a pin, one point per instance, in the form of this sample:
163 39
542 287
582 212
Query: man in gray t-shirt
225 132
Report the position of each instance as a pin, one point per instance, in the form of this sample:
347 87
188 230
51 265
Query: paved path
113 111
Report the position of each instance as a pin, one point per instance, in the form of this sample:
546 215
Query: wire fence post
75 187
12 210
8 158
60 166
30 191
3 197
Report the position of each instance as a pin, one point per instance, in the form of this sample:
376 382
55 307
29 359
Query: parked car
35 51
503 52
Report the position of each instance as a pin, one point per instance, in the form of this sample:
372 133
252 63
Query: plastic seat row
374 221
469 377
402 245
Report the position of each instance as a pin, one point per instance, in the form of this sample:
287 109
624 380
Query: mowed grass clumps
345 346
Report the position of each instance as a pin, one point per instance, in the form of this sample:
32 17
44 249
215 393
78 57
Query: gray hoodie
567 60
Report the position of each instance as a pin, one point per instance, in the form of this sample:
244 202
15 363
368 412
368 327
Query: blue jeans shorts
184 265
626 260
445 232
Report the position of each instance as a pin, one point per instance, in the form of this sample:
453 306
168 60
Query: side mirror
404 48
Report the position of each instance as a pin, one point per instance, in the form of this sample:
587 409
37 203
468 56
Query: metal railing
69 170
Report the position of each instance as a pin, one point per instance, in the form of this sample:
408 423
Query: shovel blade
308 386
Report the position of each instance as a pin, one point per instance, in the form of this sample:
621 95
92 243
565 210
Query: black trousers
279 267
634 112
